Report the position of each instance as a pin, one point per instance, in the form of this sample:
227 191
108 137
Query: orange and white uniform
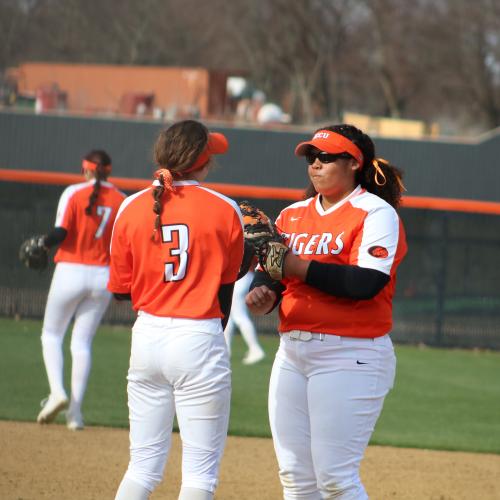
179 363
78 287
336 362
361 230
89 236
199 247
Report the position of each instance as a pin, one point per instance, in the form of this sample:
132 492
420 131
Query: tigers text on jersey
361 230
89 236
198 247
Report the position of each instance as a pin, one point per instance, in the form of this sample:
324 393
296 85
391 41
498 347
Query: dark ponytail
103 161
384 180
377 175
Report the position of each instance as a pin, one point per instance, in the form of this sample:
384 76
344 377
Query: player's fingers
258 296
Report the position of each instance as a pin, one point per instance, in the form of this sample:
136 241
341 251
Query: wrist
295 267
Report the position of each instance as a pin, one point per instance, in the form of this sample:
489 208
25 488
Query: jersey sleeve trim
230 201
125 203
64 201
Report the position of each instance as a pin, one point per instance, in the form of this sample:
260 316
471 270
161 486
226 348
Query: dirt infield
51 462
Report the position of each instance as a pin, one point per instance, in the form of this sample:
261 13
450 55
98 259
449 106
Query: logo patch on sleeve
378 252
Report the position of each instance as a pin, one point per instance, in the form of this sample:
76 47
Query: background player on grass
83 226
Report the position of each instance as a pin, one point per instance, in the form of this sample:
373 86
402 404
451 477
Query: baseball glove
257 227
272 259
33 253
265 239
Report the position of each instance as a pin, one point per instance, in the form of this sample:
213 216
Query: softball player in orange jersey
336 362
176 252
84 221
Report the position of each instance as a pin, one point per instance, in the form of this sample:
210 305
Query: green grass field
443 399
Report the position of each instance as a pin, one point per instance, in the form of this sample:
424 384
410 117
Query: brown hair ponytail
102 170
163 182
384 180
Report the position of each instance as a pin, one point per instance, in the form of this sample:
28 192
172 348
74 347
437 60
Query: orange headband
92 166
89 165
331 142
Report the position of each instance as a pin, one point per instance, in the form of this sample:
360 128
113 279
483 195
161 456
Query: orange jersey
89 236
198 247
361 230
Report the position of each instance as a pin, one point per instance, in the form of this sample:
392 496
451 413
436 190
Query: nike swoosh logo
295 218
360 363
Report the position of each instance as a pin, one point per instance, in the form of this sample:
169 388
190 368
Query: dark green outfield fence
447 292
448 289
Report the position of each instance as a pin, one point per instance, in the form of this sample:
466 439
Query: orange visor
331 142
217 144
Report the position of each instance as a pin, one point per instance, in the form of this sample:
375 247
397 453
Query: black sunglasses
325 157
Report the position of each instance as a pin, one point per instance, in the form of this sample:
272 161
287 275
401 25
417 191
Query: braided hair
376 175
103 161
175 151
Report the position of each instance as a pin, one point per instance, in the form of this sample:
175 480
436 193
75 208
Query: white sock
130 490
54 361
81 360
195 494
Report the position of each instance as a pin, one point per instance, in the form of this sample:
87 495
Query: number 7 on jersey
104 213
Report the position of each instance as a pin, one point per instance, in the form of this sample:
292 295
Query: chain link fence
447 292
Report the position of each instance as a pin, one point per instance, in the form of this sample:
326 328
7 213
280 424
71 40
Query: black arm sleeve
122 296
261 278
55 237
225 300
351 282
248 255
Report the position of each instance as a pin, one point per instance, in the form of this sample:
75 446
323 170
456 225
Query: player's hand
260 300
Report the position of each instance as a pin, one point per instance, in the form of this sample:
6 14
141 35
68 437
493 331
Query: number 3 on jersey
176 237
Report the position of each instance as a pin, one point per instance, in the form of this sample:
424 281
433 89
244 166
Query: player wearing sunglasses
334 277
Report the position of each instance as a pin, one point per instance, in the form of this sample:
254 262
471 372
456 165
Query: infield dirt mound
50 462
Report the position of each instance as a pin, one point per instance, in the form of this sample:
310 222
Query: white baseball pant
76 290
325 397
177 366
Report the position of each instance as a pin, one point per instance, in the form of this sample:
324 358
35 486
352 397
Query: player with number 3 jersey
176 252
83 226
